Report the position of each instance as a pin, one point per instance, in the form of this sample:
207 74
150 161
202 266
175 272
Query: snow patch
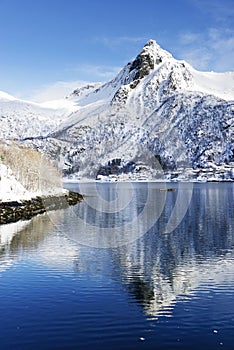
10 188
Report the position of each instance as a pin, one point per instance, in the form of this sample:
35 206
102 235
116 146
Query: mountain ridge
157 115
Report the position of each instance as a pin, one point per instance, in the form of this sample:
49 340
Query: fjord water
85 278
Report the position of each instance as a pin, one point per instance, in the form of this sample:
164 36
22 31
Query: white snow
61 104
6 97
10 188
217 84
13 190
20 119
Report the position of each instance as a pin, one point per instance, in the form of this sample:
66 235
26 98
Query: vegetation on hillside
32 169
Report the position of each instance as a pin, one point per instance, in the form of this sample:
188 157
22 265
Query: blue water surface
63 287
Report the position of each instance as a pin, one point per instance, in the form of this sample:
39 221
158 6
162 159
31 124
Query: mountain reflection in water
157 269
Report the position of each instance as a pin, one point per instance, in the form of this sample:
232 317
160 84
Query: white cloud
60 89
56 90
221 39
189 38
198 57
220 11
116 42
212 49
96 72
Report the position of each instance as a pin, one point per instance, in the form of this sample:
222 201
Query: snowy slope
26 173
218 84
10 188
6 97
143 84
20 119
152 72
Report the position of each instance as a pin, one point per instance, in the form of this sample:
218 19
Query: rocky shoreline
24 210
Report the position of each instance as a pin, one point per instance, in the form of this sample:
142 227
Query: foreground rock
24 210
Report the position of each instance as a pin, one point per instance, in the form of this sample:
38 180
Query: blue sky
48 47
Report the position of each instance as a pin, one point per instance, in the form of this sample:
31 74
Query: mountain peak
155 50
147 60
152 43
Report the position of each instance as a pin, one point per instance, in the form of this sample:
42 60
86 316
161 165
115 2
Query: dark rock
14 211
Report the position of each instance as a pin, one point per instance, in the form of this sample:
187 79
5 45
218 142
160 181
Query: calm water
125 269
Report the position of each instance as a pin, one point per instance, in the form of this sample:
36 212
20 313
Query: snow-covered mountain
20 119
159 117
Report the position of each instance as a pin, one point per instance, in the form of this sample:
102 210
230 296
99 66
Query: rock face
157 118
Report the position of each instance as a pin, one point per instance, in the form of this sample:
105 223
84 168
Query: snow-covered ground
25 173
10 188
20 119
218 84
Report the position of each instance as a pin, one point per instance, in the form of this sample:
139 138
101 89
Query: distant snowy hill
21 119
159 117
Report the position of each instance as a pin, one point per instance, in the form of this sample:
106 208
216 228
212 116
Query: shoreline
84 181
14 211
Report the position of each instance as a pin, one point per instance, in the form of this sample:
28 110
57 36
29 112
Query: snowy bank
29 185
